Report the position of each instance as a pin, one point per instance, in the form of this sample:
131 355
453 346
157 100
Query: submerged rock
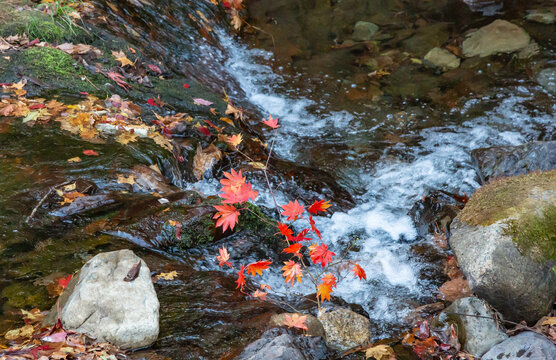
477 332
434 213
500 36
278 344
500 161
101 304
345 329
364 31
441 59
542 16
313 324
501 241
526 345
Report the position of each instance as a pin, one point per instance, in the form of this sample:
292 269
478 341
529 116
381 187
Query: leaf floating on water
74 159
167 276
133 272
122 179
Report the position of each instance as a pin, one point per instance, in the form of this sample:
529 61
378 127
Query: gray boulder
500 36
499 161
364 31
517 286
527 345
345 329
278 344
547 79
441 59
99 303
479 331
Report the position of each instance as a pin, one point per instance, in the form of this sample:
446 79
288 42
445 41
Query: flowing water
387 152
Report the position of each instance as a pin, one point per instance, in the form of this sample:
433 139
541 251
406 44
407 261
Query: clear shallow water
436 158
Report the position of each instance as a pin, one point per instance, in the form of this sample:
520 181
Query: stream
387 142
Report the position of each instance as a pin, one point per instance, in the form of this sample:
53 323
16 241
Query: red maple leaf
260 294
300 236
240 278
118 79
320 254
292 271
186 86
243 194
359 272
223 257
152 102
90 152
314 227
329 279
204 130
154 68
233 181
296 321
319 206
258 267
227 216
273 123
293 248
64 282
285 230
292 210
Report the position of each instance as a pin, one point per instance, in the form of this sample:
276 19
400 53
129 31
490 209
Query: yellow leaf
120 56
69 187
257 165
126 180
126 137
23 332
550 321
167 276
229 121
74 159
173 222
380 352
161 141
416 61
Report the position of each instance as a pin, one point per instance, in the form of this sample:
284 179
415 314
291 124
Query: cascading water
440 159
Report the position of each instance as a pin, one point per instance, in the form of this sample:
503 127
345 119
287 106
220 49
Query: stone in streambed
475 325
541 16
100 304
441 59
500 36
527 345
345 329
364 31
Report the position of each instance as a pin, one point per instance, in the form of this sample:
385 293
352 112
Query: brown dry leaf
33 315
126 137
257 165
155 168
451 268
74 159
230 109
126 180
454 289
23 332
167 276
122 58
380 352
205 159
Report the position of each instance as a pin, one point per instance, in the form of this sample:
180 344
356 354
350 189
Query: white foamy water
440 160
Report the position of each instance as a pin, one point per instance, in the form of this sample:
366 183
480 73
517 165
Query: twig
42 200
263 31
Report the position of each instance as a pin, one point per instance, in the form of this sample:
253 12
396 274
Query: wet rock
434 213
345 329
92 304
499 161
547 79
278 344
500 36
503 263
477 332
89 205
526 345
313 324
541 16
364 31
427 37
441 59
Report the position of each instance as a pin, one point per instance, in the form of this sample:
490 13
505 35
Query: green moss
535 233
48 62
254 219
24 295
198 234
507 197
